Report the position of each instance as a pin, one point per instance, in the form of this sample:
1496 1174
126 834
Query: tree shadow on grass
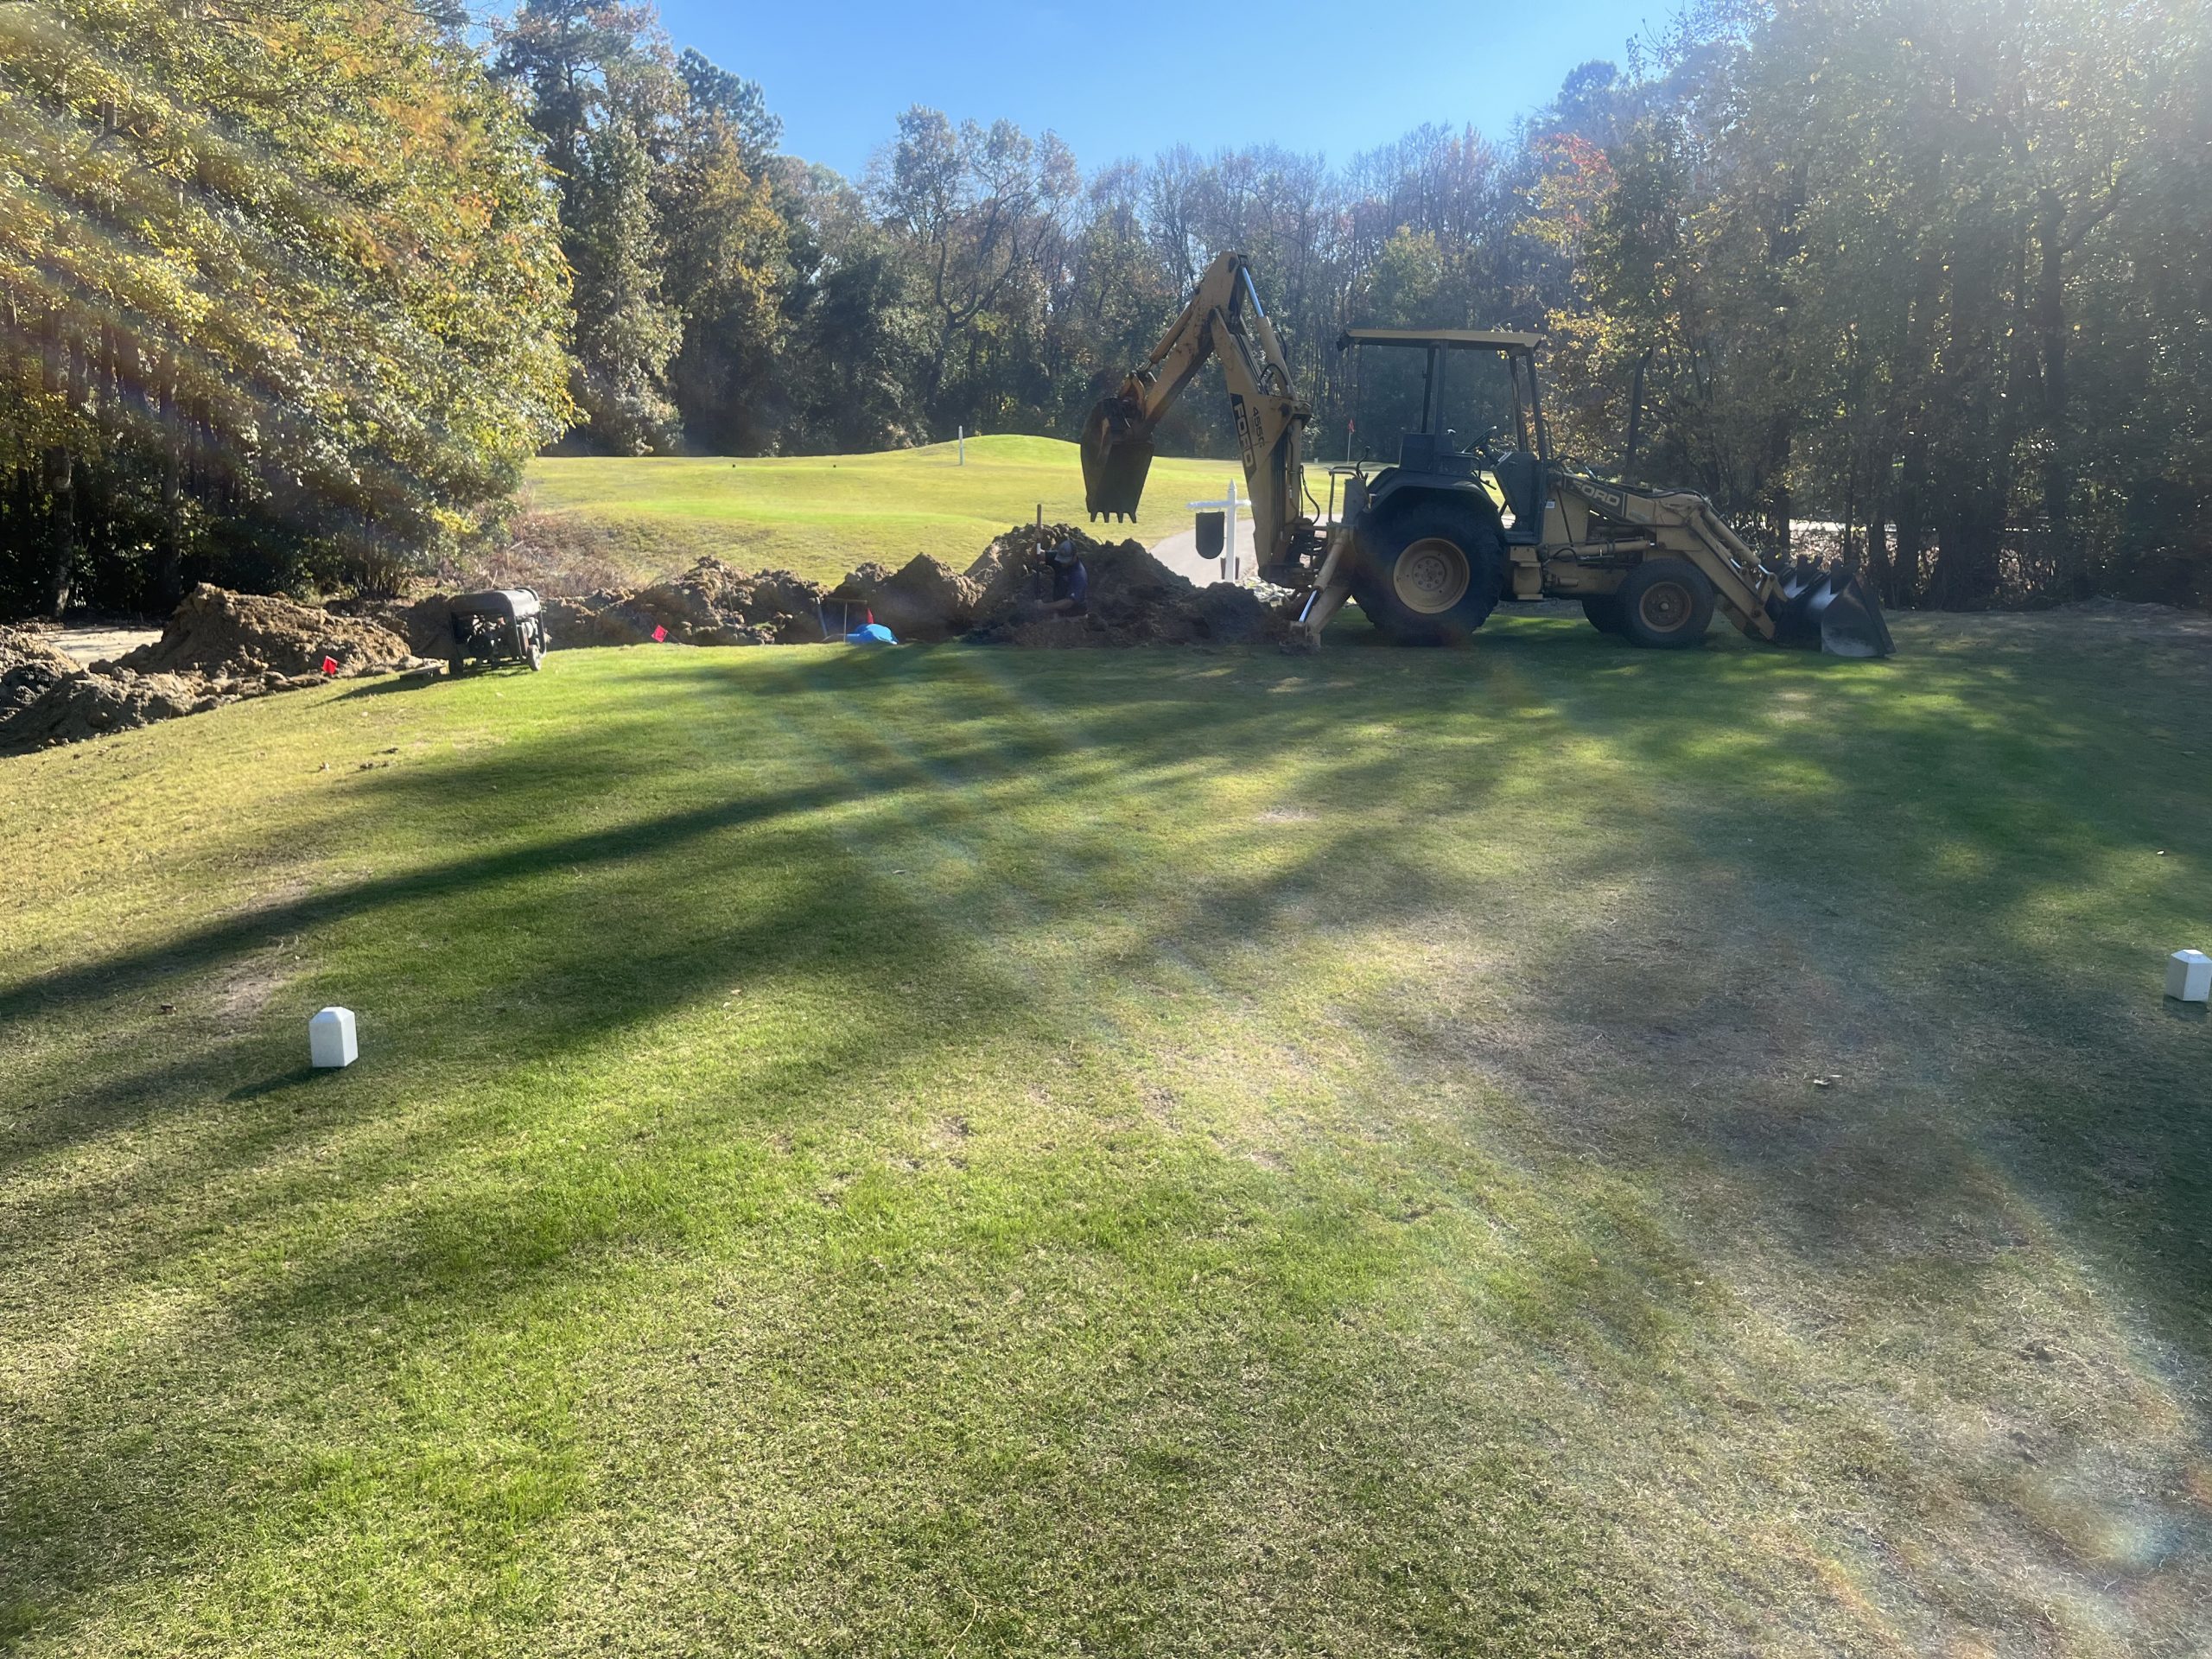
843 919
958 756
811 886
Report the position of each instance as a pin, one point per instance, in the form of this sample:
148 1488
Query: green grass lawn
823 515
959 1152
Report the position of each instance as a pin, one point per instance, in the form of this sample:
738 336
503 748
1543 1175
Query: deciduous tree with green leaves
279 294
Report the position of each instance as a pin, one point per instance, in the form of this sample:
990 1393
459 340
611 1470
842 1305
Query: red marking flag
660 634
330 664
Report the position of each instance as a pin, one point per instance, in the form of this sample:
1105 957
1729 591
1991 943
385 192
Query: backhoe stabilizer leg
1321 607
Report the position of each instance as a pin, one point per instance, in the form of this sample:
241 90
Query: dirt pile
425 624
221 635
219 647
1134 599
95 702
924 599
29 668
710 604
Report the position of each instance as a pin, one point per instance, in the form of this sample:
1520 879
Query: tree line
292 303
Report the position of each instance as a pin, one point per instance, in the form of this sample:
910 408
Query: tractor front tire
1604 612
1665 604
1430 575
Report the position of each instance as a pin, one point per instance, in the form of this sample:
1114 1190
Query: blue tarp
874 633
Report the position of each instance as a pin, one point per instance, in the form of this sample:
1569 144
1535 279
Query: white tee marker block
330 1040
2189 976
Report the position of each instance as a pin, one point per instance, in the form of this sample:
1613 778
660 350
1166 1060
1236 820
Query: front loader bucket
1828 609
1116 457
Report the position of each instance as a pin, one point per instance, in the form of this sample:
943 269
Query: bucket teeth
1825 608
1852 623
1116 457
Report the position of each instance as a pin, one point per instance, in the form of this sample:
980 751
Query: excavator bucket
1116 457
1825 608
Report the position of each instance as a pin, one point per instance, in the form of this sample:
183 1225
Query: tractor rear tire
1430 575
1665 604
1604 612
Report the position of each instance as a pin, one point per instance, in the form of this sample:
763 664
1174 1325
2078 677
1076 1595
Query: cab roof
1481 339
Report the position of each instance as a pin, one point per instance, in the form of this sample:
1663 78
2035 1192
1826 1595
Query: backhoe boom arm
1224 319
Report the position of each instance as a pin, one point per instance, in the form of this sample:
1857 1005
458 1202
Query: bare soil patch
102 644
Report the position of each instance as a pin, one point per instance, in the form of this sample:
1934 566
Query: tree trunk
1973 454
2072 570
1912 525
1880 579
169 573
1847 543
61 529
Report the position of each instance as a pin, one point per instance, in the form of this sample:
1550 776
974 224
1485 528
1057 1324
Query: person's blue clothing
874 633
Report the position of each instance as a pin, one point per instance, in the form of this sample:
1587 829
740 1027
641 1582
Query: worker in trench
1070 583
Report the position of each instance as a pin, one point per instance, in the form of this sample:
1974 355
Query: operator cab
1461 404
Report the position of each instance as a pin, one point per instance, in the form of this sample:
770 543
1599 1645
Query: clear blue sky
1128 79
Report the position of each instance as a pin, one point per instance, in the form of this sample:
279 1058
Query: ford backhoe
1430 540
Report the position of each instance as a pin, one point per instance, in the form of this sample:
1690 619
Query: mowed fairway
954 1151
823 515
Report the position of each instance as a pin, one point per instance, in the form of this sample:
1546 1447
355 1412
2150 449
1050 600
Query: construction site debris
425 624
29 668
94 702
1134 599
220 646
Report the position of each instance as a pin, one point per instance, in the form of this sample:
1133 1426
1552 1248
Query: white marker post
964 446
2189 976
1229 567
331 1044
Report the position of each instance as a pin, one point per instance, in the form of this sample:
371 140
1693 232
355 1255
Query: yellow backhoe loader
1430 539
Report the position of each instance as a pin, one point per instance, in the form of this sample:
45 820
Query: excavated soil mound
29 668
925 598
1134 601
425 624
710 604
219 647
96 703
222 635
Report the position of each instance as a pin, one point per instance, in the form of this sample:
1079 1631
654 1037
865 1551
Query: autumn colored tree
279 295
